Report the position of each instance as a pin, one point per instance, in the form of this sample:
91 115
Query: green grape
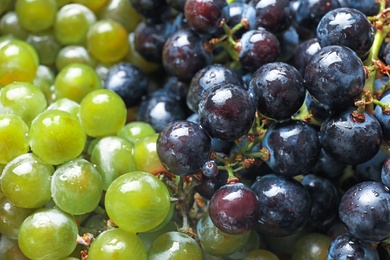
102 69
36 15
44 79
252 244
134 57
137 201
146 157
261 254
23 99
150 236
75 81
5 5
103 50
73 54
121 11
9 25
215 242
72 24
46 46
18 61
61 3
48 233
113 156
117 244
67 105
284 245
102 113
94 5
174 246
57 136
312 246
13 137
136 130
76 187
25 181
11 217
9 249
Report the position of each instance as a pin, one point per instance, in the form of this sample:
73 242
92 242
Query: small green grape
36 15
73 54
116 244
11 217
49 234
146 157
75 81
94 5
18 61
113 156
76 187
215 242
23 99
103 50
312 246
174 246
136 130
150 236
13 137
261 254
66 105
56 136
137 201
10 25
102 113
44 79
46 46
72 24
26 180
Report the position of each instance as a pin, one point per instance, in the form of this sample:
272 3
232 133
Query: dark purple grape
234 208
319 111
328 167
385 172
258 47
210 169
278 90
371 170
209 186
177 89
365 211
149 39
208 77
234 14
384 117
284 205
310 12
350 137
348 247
289 41
293 147
385 53
273 15
304 52
335 76
183 147
368 7
226 112
184 54
348 27
203 16
149 8
325 200
159 109
128 81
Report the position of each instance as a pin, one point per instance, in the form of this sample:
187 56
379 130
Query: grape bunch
193 129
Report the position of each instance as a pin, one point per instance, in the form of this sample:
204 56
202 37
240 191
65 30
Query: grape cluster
193 129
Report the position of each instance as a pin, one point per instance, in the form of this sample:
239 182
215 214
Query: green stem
381 104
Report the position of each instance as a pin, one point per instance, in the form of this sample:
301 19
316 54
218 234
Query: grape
385 172
278 90
113 156
9 249
107 51
66 105
72 24
10 25
368 7
260 254
176 143
102 106
210 169
234 208
44 79
48 233
94 5
13 137
75 81
148 8
136 130
305 50
117 244
46 46
235 12
150 236
311 246
371 170
310 12
137 201
226 112
76 187
73 54
383 117
174 245
23 99
56 136
25 181
348 27
36 15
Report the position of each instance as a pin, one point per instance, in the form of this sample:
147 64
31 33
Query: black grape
304 52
